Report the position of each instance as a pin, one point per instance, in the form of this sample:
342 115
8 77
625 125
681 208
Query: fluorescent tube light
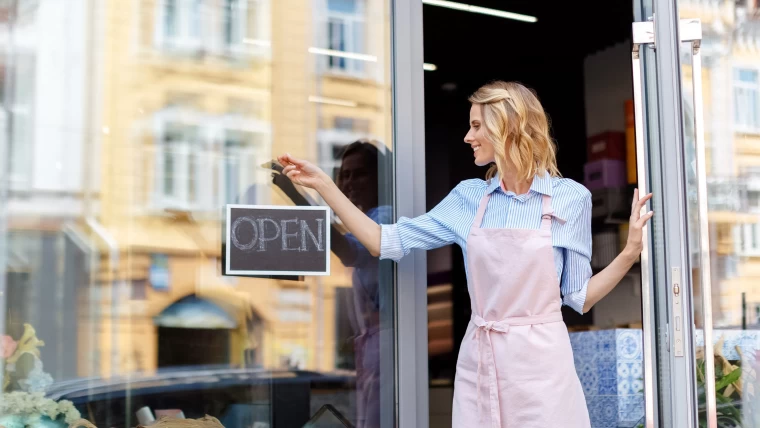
429 67
481 10
341 54
257 42
333 101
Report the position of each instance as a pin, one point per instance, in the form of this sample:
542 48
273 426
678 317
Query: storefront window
731 98
127 127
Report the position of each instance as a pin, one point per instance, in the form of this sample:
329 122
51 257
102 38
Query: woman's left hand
635 244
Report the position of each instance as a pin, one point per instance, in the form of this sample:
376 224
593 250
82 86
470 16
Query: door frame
671 393
670 380
409 196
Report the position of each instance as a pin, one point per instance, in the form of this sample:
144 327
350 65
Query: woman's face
482 149
358 181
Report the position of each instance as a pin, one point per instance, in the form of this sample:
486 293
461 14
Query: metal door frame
669 354
670 381
409 182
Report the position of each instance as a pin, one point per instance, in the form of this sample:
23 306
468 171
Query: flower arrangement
22 401
21 409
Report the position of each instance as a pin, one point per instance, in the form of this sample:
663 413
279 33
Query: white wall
608 84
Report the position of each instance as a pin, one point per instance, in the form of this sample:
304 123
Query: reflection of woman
358 180
525 234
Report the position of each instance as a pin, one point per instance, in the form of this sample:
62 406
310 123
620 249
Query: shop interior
580 67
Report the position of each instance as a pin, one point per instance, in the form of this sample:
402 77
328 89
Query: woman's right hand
303 172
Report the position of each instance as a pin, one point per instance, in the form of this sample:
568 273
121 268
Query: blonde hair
517 126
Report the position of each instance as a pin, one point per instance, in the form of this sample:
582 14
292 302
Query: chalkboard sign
277 240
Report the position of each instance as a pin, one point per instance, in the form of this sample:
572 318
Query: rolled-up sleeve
576 270
428 231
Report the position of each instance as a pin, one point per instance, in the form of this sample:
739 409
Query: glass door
722 206
679 374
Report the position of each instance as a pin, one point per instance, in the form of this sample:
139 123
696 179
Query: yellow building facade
193 102
731 60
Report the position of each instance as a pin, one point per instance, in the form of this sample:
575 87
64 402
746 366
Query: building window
240 149
204 161
345 33
181 25
746 95
750 239
178 165
216 27
234 22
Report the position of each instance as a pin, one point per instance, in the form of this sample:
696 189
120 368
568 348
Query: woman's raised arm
306 174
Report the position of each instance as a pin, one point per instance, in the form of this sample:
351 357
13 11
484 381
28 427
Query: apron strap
481 211
547 214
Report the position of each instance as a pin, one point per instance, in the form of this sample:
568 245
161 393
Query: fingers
288 159
293 175
637 204
635 198
644 200
644 219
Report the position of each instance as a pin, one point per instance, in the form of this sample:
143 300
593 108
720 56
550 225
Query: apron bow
486 327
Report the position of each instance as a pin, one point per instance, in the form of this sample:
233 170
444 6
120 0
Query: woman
526 238
362 167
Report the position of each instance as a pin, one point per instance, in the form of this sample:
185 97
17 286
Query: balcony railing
729 193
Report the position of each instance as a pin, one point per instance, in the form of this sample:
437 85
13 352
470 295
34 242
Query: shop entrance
584 82
668 346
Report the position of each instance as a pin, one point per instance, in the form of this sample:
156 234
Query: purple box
603 174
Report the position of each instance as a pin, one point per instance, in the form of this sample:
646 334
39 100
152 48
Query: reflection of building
48 108
196 95
731 79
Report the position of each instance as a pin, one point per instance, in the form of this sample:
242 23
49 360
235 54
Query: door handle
691 32
643 34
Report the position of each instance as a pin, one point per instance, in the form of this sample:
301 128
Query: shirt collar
542 184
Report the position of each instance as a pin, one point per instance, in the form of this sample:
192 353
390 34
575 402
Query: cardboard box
608 145
604 174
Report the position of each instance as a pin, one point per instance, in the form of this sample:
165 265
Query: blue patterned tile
608 389
603 412
630 408
629 344
637 369
624 370
609 366
589 379
583 344
747 340
607 369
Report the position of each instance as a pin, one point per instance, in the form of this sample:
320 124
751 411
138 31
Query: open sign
276 240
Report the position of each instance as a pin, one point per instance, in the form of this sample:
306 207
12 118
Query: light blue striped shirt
450 221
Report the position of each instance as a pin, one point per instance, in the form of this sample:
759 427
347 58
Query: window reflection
731 94
129 125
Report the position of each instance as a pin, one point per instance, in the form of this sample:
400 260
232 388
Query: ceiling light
333 101
257 42
481 10
429 67
341 54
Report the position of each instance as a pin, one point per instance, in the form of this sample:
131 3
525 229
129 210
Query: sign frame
269 273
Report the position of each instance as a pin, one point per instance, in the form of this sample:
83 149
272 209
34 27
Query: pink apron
515 367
